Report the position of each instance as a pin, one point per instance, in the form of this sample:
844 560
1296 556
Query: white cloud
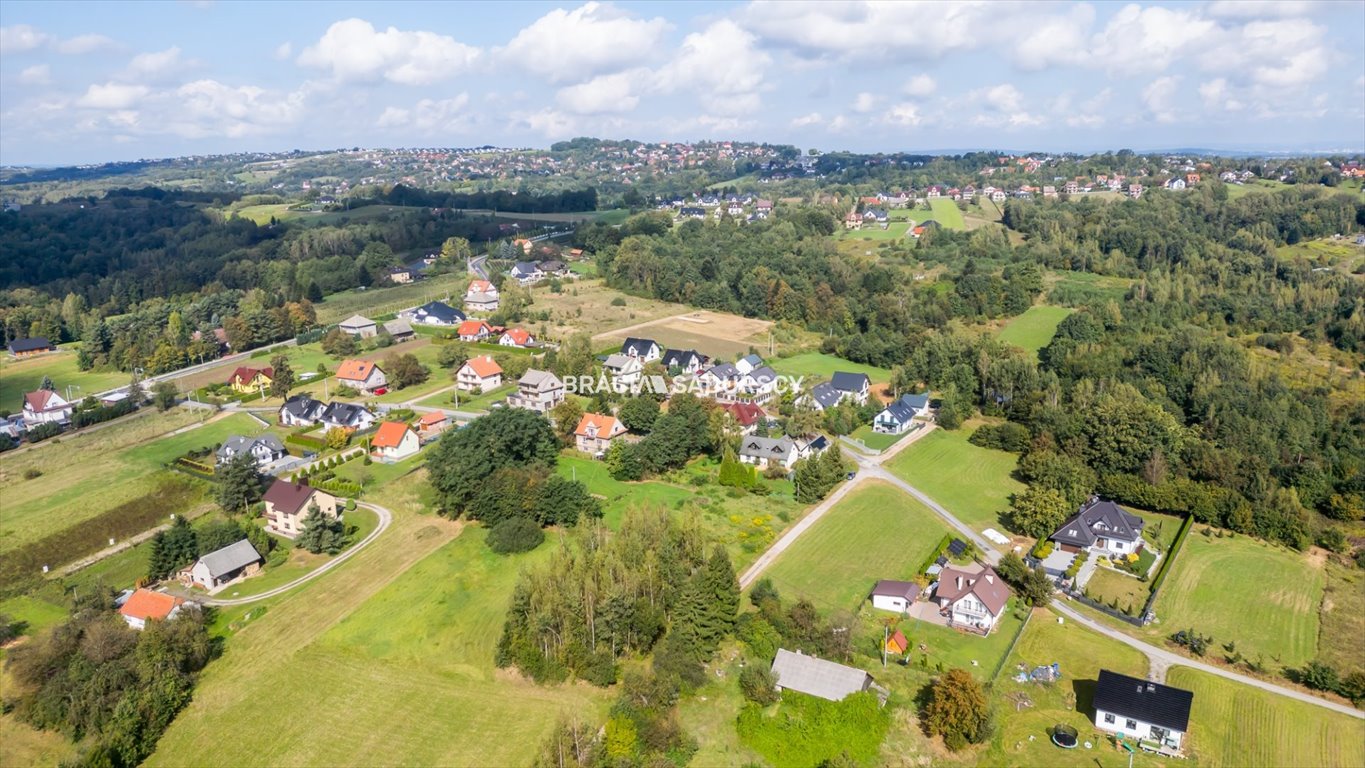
1056 40
549 123
155 66
38 74
722 65
865 102
80 44
1281 54
1260 9
284 50
1003 98
595 38
112 96
606 93
920 86
21 38
1138 40
355 51
812 118
872 29
1159 97
429 115
210 108
905 114
1217 96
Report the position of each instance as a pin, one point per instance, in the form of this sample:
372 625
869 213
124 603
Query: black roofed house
898 416
823 396
818 677
852 385
265 449
301 411
645 349
526 272
1155 714
33 346
686 360
692 212
338 415
1103 526
554 267
435 313
896 596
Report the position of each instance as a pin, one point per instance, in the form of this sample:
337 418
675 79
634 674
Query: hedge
939 550
342 487
305 441
1076 564
1170 555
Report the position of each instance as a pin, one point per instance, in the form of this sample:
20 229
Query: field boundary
1166 561
1000 667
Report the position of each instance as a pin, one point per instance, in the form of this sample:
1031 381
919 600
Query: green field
974 483
946 212
1107 584
25 375
1343 618
88 473
1263 597
821 365
1077 288
350 680
877 441
379 301
1237 725
617 496
1035 328
877 532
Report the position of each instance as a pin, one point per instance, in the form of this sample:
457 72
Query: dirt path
633 328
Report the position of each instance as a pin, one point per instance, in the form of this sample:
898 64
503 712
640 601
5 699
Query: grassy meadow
823 366
22 375
876 532
946 212
1035 328
974 483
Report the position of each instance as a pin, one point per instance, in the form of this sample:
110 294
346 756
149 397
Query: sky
96 82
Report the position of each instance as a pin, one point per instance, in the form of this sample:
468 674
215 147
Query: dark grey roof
849 382
904 409
29 345
766 447
639 347
344 413
682 358
230 558
825 395
303 407
398 327
236 444
762 375
692 211
724 371
1149 702
524 268
753 360
818 677
1099 518
890 588
443 312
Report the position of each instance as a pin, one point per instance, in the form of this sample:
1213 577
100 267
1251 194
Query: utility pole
886 635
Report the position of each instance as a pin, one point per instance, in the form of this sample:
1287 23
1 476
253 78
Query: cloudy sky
109 81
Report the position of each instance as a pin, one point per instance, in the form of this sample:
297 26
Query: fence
1120 615
1166 560
1008 651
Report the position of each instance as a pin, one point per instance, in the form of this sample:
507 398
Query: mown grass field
715 334
946 212
877 441
974 483
88 473
1263 597
19 376
1106 585
1035 328
823 366
586 305
1342 618
1237 725
350 680
876 532
379 301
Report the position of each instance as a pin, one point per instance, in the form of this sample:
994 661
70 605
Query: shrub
619 301
758 684
32 473
516 534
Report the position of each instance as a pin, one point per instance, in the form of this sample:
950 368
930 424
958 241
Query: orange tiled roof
484 366
606 425
389 435
146 604
356 370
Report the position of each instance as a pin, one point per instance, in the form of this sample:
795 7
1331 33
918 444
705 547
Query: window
1130 725
1108 718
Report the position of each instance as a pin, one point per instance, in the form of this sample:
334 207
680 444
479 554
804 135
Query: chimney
959 582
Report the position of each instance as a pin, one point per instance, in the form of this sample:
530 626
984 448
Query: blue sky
110 81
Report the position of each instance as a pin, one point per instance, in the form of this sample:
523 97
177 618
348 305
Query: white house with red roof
145 605
595 432
474 330
482 373
394 441
46 406
517 337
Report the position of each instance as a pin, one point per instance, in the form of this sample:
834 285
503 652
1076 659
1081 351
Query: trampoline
1064 736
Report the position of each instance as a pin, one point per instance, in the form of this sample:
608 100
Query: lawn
335 653
946 212
1264 597
953 649
1343 618
1078 288
617 496
895 230
380 301
821 365
25 375
300 562
1107 585
877 532
877 441
1035 328
709 715
88 473
26 746
974 483
587 305
470 401
1232 724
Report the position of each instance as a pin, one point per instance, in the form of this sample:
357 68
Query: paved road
385 518
1161 656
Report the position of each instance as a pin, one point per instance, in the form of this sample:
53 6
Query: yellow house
249 380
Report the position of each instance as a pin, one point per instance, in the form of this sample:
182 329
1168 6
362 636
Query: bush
758 683
516 534
619 301
32 473
1005 437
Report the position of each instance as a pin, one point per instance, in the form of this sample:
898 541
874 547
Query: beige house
287 504
538 391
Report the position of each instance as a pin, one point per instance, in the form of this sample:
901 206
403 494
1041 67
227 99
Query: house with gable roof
46 406
394 441
287 504
972 597
1103 527
364 375
898 416
595 432
480 373
359 325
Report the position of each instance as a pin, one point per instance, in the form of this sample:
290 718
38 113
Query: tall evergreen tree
239 484
720 592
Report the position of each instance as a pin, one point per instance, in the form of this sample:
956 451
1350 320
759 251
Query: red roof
606 426
519 336
246 374
432 417
389 435
747 414
355 370
38 401
897 642
146 604
483 366
473 328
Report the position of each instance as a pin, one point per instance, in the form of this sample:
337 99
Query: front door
1159 735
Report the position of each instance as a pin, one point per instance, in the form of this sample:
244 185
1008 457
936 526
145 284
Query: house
645 349
435 313
1135 191
32 346
555 268
338 415
1071 188
249 381
759 384
687 361
719 381
46 406
145 605
517 337
399 329
359 325
747 364
432 424
1175 183
625 371
897 644
595 432
1049 191
973 599
1143 710
480 373
691 212
221 566
747 416
1102 526
394 441
847 386
526 272
822 396
363 375
481 302
481 286
287 504
998 196
817 677
896 596
400 275
538 391
265 449
474 330
301 411
853 221
897 417
768 452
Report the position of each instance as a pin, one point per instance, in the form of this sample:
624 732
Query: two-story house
394 441
625 371
645 349
248 381
683 361
596 431
1101 526
363 375
287 504
46 406
971 597
538 391
479 374
265 449
898 416
1143 710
